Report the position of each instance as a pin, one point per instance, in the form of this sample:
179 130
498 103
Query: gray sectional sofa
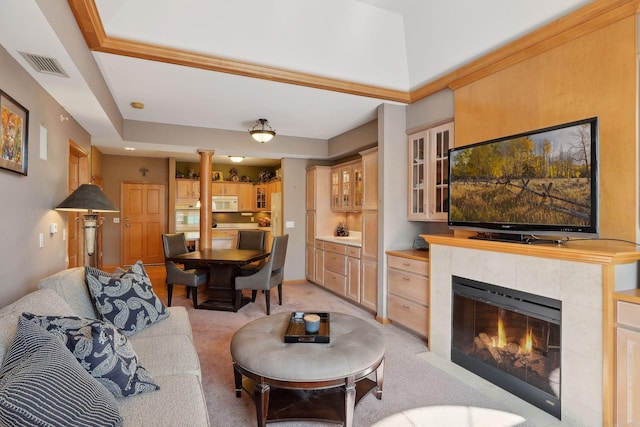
165 349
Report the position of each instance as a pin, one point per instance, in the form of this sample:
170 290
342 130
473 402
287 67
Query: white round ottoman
308 380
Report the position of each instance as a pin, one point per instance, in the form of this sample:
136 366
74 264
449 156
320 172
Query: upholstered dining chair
176 244
251 239
270 275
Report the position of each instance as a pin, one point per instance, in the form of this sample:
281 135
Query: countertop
353 239
410 254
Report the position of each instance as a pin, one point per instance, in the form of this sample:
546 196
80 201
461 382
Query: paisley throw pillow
102 350
128 302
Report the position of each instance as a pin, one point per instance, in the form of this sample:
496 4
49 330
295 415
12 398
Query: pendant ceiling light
261 131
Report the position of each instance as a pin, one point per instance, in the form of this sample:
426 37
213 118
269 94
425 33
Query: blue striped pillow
41 383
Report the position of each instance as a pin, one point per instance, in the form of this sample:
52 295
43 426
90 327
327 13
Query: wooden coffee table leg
379 379
238 380
261 397
349 401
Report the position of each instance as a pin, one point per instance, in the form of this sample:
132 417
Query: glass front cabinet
428 173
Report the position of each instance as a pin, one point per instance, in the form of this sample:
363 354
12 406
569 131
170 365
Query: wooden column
206 158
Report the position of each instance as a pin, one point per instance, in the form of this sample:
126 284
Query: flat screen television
542 182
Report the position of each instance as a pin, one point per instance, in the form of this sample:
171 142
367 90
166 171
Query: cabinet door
346 191
370 180
628 377
416 198
319 265
369 287
260 197
311 227
311 190
310 256
217 189
183 188
335 189
370 234
358 186
353 279
440 140
245 197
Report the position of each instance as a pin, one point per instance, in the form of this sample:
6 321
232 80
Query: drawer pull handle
406 264
406 307
406 278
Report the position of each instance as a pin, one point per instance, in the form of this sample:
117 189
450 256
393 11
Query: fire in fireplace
510 338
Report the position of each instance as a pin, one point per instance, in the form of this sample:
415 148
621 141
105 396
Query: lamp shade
87 198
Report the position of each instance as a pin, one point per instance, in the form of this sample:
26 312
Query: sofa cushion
45 301
41 383
179 402
71 285
129 301
161 354
176 324
102 350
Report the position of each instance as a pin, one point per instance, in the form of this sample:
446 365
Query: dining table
225 266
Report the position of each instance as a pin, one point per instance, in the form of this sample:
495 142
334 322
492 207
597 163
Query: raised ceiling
313 68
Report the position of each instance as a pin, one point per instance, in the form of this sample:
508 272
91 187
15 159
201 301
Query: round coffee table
308 381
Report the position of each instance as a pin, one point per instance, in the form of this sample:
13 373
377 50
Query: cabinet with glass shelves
428 173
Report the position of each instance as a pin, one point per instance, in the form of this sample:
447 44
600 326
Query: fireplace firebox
510 338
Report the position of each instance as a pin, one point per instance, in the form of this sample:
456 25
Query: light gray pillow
41 383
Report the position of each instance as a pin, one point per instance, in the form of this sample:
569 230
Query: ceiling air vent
42 64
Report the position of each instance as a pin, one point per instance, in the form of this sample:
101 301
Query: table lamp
88 198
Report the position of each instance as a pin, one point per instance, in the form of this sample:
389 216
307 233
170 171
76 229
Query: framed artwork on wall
13 135
217 176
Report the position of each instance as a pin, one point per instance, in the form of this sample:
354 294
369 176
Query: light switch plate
290 224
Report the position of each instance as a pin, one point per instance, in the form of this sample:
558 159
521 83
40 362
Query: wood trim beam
589 18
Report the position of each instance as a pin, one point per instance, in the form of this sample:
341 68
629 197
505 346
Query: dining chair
251 239
270 275
176 244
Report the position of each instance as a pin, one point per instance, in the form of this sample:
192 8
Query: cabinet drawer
410 286
335 247
629 314
335 262
415 266
319 244
335 282
353 251
409 314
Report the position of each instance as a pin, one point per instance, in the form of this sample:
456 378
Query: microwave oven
224 203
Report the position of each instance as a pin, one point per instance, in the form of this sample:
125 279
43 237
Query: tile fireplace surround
581 274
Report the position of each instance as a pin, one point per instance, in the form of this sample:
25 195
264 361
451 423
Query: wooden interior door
78 173
144 213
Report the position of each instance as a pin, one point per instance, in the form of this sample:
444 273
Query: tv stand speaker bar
525 239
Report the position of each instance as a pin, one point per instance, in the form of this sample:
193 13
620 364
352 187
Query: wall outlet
290 224
116 220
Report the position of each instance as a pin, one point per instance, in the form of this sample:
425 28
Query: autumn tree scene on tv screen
542 178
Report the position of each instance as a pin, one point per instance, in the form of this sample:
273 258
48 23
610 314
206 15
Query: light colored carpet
409 380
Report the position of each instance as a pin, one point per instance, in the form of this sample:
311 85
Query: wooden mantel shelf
603 252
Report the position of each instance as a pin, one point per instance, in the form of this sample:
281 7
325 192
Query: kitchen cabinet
221 188
369 179
408 296
187 191
260 197
628 364
320 219
428 173
353 273
343 186
224 238
369 260
245 196
335 268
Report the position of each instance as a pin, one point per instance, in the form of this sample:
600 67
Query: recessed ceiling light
137 105
129 149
